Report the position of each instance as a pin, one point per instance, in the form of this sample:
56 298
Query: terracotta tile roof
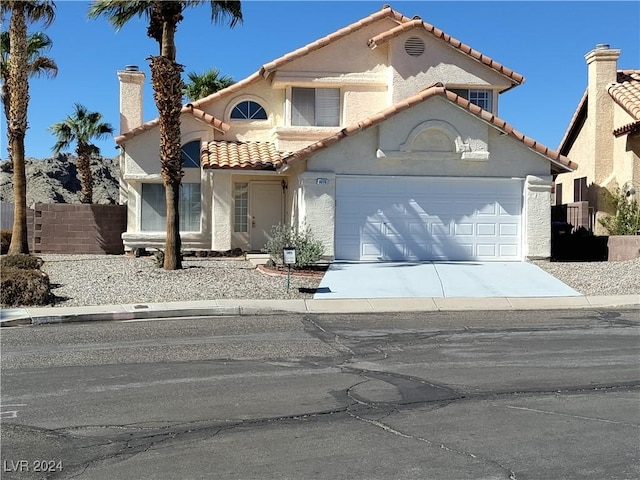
560 162
221 154
466 49
196 112
626 92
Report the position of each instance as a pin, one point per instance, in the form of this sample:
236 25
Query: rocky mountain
56 180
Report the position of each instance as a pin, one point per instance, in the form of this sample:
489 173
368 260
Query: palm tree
37 64
18 86
166 80
81 127
201 86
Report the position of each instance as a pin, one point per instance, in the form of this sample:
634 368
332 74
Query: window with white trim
154 207
319 107
481 98
248 110
241 207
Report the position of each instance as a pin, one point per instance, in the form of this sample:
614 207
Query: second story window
248 110
481 98
319 107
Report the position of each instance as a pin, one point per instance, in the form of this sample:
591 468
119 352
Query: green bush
626 219
22 261
308 250
20 287
5 240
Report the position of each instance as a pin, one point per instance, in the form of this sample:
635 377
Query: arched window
248 110
191 154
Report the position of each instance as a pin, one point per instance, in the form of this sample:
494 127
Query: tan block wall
77 228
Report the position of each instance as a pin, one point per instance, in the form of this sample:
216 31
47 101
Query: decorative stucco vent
414 46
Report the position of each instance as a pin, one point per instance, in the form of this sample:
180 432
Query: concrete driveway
439 279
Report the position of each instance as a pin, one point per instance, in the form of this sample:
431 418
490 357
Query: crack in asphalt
414 392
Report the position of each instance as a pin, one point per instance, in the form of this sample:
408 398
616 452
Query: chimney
131 81
602 66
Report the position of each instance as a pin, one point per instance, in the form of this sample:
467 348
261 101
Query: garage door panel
509 251
410 218
440 230
486 250
486 229
508 230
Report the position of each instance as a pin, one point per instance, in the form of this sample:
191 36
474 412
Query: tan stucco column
221 211
319 207
537 217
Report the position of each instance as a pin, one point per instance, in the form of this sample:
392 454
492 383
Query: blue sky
544 41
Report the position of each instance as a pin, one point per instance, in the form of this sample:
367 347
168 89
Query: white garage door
428 218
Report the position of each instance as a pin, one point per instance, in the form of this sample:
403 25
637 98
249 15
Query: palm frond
118 13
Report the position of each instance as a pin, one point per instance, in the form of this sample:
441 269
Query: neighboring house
382 137
603 136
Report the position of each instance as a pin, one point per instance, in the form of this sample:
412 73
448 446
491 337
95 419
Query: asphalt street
438 395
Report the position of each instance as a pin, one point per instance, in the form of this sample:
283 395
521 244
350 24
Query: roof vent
602 46
131 68
414 46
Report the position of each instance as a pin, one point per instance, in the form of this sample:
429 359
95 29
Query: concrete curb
219 308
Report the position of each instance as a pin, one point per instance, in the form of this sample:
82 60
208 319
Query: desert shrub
626 219
22 261
5 240
20 287
308 249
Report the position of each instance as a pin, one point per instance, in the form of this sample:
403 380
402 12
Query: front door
265 211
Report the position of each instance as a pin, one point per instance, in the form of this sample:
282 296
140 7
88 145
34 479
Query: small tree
200 86
81 127
626 219
308 250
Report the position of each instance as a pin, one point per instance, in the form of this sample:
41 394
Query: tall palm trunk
167 82
167 86
84 168
17 126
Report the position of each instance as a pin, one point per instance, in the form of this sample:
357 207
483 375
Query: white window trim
251 98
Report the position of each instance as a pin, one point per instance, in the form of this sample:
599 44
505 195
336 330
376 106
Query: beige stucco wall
358 154
439 63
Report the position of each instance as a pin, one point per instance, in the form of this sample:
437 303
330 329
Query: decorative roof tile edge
436 89
629 128
466 49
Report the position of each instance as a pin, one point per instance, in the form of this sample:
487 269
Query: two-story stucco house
383 137
603 135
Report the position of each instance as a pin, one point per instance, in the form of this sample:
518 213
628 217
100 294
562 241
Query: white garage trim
428 218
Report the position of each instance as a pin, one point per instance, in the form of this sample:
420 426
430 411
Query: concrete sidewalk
46 315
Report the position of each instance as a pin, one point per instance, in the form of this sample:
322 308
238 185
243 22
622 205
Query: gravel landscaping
80 280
